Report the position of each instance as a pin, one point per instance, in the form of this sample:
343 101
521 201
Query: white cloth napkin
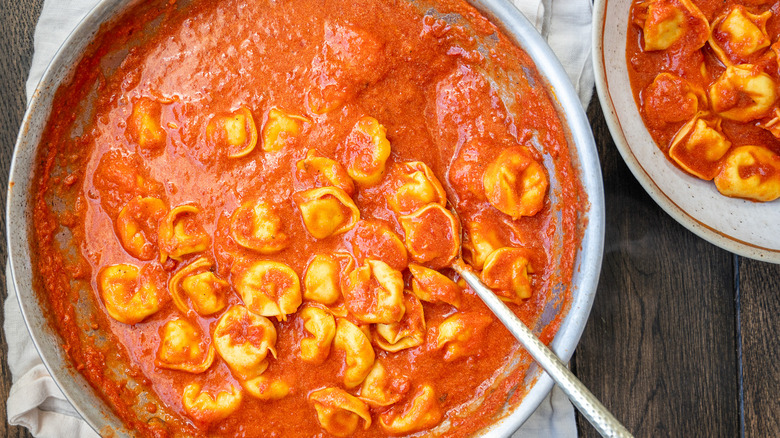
36 402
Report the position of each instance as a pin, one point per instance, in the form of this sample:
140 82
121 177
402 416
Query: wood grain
759 316
16 39
659 348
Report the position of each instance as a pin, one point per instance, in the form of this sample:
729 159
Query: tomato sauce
421 75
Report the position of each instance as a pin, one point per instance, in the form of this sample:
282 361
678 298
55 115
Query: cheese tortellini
206 292
459 334
327 211
507 272
145 124
407 333
358 353
257 226
280 127
382 389
421 412
323 278
750 172
417 187
432 235
322 327
181 234
182 348
372 239
366 151
374 293
321 171
266 388
699 145
235 132
339 412
516 183
137 225
130 294
672 24
672 99
743 93
739 35
434 287
269 289
208 407
480 240
244 340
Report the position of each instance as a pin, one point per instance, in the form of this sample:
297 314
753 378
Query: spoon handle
601 419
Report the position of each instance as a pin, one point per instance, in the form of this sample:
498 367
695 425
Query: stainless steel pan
506 16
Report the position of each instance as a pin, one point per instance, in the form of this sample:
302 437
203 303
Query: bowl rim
712 235
504 15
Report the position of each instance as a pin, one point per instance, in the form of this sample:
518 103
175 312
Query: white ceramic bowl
743 227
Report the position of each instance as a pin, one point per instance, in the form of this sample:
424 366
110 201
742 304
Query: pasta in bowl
270 239
689 91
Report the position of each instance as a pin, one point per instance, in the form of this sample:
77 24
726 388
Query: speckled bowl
743 227
537 385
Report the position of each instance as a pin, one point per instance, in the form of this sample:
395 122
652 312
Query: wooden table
683 337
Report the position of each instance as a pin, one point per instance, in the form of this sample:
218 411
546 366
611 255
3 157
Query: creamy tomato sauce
705 76
257 201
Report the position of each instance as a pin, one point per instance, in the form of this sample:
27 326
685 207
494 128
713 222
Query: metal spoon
598 415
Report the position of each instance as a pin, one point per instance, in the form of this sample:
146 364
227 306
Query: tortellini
460 333
421 412
699 145
374 293
381 388
206 407
366 151
137 224
235 132
244 340
672 99
130 294
206 292
145 124
322 327
372 239
515 183
257 226
322 172
743 93
266 388
665 23
738 35
750 172
358 353
434 287
339 412
507 272
417 187
480 240
181 234
182 348
432 236
279 127
327 211
269 288
323 278
407 333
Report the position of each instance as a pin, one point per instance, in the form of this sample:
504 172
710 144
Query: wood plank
16 39
659 349
759 314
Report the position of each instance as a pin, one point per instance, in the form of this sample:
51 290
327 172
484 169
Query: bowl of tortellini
689 89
